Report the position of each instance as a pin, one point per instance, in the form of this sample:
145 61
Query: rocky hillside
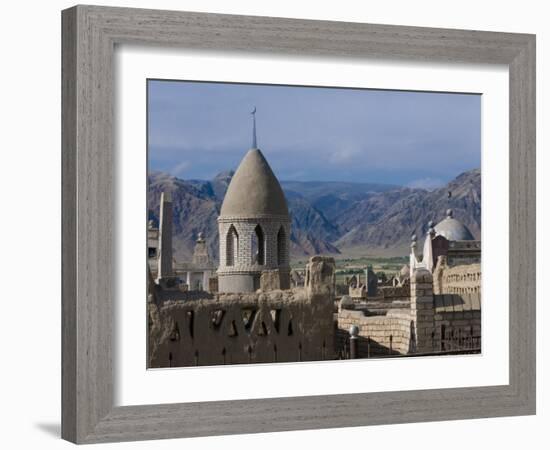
327 217
195 209
389 219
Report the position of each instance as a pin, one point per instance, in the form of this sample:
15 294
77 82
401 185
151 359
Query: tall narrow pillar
165 273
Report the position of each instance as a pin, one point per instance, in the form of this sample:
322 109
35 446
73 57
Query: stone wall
394 291
388 298
457 321
431 323
378 335
422 310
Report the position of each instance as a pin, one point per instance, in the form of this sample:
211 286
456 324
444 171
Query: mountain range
327 217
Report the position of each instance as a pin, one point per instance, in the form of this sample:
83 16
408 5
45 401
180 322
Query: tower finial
254 140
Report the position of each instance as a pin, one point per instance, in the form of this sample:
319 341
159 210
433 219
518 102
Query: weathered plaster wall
241 328
275 326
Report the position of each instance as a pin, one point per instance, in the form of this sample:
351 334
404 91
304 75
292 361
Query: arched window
258 246
281 247
231 246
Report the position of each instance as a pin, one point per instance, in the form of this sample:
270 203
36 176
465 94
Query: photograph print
310 223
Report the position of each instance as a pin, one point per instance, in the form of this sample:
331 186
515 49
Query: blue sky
197 130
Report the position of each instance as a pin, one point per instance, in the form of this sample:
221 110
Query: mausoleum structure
449 238
254 227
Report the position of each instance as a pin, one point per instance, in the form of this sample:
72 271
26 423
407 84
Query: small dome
254 190
405 271
453 229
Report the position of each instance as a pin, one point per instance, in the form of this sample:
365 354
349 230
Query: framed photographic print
278 224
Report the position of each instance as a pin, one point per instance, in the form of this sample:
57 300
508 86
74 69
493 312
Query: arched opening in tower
231 246
281 247
258 246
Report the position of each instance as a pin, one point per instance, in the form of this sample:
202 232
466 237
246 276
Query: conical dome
254 190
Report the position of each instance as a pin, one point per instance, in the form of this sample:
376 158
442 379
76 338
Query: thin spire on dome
254 140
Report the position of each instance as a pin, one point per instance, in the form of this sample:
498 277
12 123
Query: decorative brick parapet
462 279
245 228
250 246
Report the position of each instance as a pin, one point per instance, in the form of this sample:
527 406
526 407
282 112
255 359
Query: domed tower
449 238
453 229
254 226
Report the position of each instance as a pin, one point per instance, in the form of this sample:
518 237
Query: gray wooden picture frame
90 34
